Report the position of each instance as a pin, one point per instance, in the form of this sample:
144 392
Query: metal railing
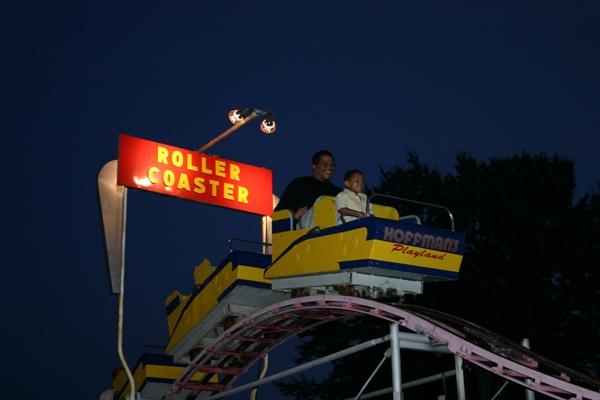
421 203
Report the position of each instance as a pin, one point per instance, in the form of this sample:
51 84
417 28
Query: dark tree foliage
528 270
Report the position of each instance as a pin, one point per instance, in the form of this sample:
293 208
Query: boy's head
354 180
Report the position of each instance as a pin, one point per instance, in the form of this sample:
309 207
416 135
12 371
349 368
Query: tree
527 270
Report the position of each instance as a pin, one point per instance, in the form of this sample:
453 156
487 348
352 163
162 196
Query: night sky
367 80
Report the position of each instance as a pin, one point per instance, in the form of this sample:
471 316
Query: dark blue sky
367 80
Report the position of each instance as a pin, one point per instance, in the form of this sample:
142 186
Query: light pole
239 118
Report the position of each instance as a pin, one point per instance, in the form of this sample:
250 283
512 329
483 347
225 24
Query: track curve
234 351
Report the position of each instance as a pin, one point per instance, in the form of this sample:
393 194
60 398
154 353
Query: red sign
194 176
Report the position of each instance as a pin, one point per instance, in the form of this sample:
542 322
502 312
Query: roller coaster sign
190 175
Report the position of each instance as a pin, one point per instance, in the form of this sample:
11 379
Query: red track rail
238 348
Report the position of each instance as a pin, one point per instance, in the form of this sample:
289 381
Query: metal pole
121 301
300 368
385 355
396 368
408 385
460 378
529 394
500 390
229 131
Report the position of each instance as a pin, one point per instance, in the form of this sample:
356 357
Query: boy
351 202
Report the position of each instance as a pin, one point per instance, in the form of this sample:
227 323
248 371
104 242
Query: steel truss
234 351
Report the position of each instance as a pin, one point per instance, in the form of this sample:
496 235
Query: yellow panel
325 253
153 371
325 212
284 215
201 305
202 271
417 256
251 274
322 254
386 212
283 240
207 299
170 372
173 316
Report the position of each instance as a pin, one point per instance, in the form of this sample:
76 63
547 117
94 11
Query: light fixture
237 116
268 125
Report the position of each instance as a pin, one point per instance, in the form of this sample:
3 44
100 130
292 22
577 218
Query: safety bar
247 241
414 202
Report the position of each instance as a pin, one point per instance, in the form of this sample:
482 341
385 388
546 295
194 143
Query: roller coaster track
234 351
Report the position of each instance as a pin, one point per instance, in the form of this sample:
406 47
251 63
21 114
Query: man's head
354 180
323 165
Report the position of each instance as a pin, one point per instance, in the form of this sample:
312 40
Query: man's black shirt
304 191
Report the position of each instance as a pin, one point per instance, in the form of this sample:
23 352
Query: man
301 193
